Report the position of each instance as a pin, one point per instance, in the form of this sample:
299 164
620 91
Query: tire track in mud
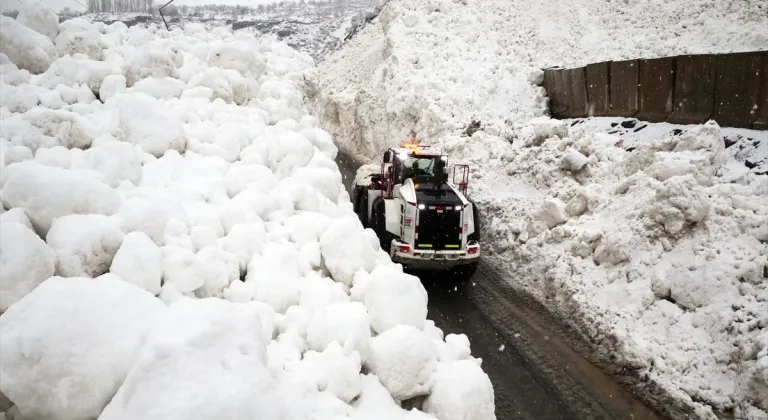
528 355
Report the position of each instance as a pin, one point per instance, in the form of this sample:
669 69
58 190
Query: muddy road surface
528 355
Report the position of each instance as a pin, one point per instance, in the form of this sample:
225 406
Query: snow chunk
573 160
394 298
116 161
347 248
553 213
25 262
679 201
84 244
83 334
241 176
148 62
405 361
343 322
160 88
204 358
18 99
139 261
239 56
375 403
183 269
111 86
40 19
461 391
275 276
331 370
149 123
78 36
26 48
47 193
16 215
68 128
145 215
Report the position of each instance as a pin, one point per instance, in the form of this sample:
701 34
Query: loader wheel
379 225
360 201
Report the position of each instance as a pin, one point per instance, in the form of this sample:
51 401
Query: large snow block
84 244
25 262
39 19
656 81
623 96
26 48
47 193
69 344
139 261
461 391
204 359
394 298
149 123
694 97
405 361
347 248
737 88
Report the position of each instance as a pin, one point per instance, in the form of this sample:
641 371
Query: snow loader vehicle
422 220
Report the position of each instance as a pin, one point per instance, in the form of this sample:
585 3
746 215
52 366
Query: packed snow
635 237
176 242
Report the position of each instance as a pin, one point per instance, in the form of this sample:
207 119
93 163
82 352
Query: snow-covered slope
653 247
176 242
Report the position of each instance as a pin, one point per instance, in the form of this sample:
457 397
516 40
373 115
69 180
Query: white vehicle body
423 220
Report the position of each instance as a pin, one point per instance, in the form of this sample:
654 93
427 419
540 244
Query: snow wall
176 242
731 89
654 251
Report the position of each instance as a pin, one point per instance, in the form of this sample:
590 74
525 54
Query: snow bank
186 201
635 235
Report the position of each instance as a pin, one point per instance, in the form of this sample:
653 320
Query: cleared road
534 370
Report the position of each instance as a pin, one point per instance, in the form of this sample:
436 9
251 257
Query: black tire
360 204
379 225
475 236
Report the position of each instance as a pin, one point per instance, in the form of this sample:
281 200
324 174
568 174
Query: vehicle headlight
422 207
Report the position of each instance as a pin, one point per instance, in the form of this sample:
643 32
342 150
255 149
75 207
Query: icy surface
634 234
207 259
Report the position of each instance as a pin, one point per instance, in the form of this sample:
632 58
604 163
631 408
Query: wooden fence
731 89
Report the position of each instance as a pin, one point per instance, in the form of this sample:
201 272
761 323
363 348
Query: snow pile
415 66
176 241
633 242
640 248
